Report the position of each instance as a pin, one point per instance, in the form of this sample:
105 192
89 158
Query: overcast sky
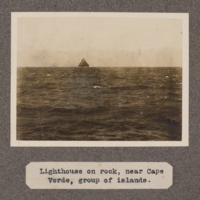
102 41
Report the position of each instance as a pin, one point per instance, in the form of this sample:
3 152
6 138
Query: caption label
99 175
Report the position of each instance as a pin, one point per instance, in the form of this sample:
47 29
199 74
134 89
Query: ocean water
99 103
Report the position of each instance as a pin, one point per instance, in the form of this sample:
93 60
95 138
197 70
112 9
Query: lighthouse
83 63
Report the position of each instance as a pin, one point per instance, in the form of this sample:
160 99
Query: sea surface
99 103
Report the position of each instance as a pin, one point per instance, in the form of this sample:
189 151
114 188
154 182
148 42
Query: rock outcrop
83 63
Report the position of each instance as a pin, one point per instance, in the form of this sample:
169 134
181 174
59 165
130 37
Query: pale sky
102 41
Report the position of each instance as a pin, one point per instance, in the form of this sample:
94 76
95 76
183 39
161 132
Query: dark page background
185 160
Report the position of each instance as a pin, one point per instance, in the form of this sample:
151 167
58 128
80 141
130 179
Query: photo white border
185 83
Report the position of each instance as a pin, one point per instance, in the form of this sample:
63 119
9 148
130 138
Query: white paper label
99 175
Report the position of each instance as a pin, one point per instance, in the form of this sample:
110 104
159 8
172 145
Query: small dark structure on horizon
83 63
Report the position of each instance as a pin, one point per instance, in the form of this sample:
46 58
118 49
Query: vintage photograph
99 79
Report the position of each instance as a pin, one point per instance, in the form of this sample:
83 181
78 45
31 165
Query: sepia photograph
99 79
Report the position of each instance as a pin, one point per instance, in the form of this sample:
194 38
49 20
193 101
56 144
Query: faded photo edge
185 87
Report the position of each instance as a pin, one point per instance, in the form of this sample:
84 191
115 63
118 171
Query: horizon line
99 66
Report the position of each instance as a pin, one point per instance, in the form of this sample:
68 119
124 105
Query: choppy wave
99 104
